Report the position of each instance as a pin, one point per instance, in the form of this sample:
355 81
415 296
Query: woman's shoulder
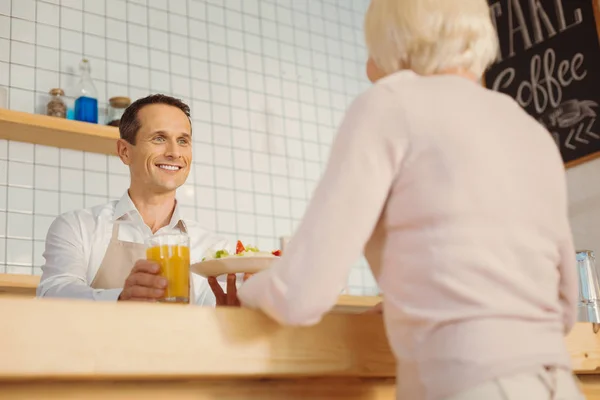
384 92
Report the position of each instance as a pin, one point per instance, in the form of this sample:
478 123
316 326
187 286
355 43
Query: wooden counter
18 285
25 285
75 349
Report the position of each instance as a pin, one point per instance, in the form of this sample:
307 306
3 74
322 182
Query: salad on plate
247 260
241 251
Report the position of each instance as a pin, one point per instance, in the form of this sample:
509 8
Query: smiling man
99 253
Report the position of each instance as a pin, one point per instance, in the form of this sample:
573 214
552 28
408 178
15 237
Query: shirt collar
126 209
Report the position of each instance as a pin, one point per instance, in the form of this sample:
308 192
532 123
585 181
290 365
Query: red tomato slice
277 253
239 248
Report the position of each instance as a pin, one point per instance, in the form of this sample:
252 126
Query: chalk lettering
539 15
496 11
562 22
546 81
547 72
578 135
576 63
568 143
515 6
540 20
563 67
589 127
575 134
504 79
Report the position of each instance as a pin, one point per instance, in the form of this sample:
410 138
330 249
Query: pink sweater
458 199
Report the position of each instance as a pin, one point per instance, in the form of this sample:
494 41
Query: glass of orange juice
172 252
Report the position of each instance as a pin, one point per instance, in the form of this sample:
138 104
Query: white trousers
545 383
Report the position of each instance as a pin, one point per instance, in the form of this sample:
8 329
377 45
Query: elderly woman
458 199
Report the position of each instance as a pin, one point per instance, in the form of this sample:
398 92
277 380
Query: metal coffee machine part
589 287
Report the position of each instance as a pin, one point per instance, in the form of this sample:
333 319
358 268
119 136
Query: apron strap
115 230
182 226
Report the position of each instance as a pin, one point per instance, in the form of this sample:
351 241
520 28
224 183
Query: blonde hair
430 36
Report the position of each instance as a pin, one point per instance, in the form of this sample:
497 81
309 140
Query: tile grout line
9 67
267 112
349 42
70 192
193 166
301 129
149 59
210 94
255 213
8 148
106 157
34 152
304 161
84 55
182 76
169 51
167 31
236 206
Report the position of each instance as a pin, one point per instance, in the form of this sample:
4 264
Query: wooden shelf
57 132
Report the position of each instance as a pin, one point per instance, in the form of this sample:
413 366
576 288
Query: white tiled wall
267 81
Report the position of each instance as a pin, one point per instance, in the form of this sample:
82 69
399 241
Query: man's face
161 158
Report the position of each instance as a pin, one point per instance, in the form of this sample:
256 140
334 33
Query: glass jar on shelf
86 103
56 105
116 108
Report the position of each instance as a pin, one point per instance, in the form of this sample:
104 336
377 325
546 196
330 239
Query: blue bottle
86 102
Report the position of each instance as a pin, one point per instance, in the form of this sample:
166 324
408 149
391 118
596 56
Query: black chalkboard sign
549 62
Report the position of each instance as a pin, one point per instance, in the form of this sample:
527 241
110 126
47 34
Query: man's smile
169 167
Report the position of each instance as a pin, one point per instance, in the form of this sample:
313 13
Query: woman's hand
230 298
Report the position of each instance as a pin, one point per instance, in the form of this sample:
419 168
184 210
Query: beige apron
118 262
119 259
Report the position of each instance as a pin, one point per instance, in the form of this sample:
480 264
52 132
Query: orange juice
174 261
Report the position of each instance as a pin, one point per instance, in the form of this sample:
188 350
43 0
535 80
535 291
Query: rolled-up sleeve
64 273
365 158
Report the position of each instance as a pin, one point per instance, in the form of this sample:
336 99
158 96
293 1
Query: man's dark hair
130 125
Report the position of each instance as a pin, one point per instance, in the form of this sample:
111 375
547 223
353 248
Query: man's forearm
74 288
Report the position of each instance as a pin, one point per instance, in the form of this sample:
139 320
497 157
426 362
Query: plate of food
248 260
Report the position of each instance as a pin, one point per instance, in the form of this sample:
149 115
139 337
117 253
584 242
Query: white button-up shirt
77 242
